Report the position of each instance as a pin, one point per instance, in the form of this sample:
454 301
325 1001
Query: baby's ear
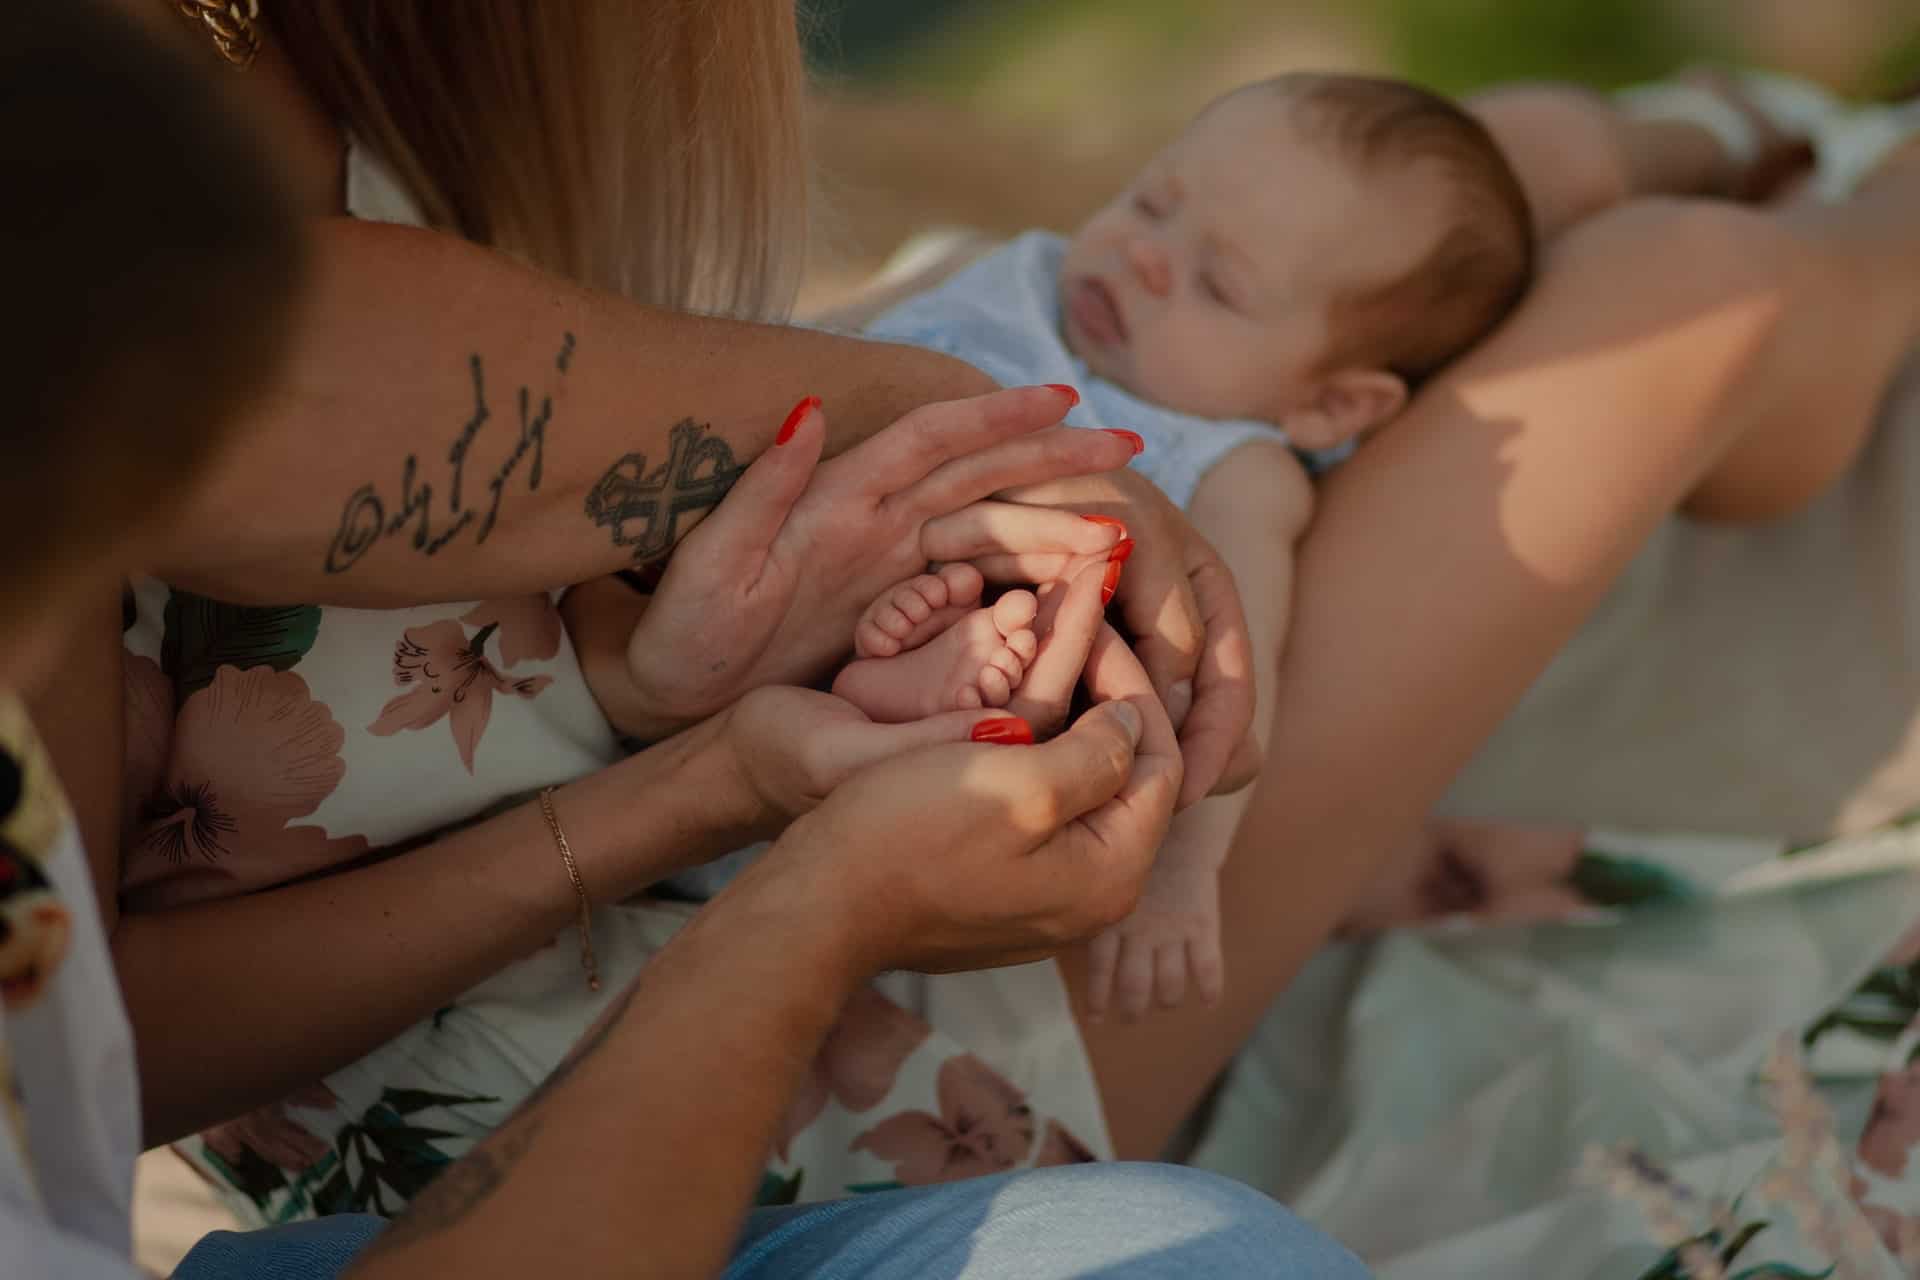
1350 403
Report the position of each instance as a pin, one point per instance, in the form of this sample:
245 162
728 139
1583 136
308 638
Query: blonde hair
654 148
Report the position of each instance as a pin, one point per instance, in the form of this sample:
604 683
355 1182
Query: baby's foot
976 662
917 610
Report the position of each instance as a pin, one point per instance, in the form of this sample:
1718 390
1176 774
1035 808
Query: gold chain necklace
231 25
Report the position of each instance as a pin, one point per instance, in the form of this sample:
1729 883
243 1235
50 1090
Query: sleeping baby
1267 291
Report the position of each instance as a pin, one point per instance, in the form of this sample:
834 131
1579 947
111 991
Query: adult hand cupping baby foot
1018 851
1179 603
787 748
768 589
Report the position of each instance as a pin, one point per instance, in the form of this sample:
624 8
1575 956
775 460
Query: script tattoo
365 519
643 508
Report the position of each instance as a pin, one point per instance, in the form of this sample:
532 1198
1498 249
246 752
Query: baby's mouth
1095 312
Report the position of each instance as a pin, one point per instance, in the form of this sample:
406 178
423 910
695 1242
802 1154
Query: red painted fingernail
1073 397
792 424
1122 550
1132 438
1106 522
1111 583
1008 730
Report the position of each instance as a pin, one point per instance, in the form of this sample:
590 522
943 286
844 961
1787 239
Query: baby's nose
1150 265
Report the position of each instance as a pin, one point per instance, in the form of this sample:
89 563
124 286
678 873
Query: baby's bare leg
1576 154
1855 321
1853 267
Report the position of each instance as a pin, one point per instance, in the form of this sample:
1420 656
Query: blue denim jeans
1116 1221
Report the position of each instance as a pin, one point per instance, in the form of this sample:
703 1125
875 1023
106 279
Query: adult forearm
627 1161
456 425
234 1003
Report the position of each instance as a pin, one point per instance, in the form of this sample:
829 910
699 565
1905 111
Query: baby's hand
1171 940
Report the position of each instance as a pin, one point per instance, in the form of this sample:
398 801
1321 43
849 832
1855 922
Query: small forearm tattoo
466 1185
369 515
470 1181
642 508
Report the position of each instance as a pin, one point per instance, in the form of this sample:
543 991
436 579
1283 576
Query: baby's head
1309 250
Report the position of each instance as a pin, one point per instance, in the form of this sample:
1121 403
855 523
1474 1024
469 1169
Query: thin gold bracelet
587 959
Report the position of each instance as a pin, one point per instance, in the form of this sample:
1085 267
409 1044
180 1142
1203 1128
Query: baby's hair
1482 258
150 258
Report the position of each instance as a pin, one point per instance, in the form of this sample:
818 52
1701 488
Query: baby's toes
995 689
1025 645
1014 611
881 632
962 582
918 598
969 698
1007 661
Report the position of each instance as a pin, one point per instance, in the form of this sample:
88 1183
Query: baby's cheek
1186 376
1161 359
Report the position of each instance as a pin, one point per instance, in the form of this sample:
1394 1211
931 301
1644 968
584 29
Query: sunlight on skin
1560 531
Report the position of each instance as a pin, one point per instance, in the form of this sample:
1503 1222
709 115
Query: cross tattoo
642 509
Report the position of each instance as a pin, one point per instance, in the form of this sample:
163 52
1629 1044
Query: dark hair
149 258
1482 258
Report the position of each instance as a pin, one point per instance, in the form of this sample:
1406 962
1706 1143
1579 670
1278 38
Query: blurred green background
1003 114
958 47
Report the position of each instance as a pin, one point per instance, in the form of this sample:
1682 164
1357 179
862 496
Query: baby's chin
1106 363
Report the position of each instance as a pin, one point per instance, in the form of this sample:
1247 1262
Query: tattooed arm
454 425
626 1161
629 1161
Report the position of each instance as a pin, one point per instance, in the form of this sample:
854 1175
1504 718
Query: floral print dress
265 745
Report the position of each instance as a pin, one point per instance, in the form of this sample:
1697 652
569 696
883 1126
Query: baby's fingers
1133 981
1208 968
1103 957
1170 974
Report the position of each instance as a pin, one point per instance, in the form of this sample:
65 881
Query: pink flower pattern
984 1126
859 1061
446 675
250 753
1893 1125
1059 1146
273 1135
529 627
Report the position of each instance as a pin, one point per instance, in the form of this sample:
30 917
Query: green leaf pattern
203 635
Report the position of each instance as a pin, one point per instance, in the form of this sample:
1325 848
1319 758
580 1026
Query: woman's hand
1179 603
789 748
972 856
829 538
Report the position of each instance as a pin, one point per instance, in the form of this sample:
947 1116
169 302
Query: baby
1276 280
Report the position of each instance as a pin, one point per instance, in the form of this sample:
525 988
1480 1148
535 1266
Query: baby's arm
1577 152
1253 506
602 618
